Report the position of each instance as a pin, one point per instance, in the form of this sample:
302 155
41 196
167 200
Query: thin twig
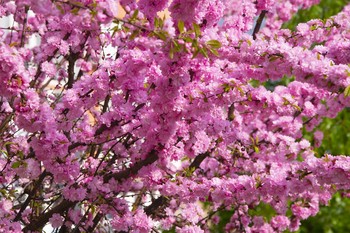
24 26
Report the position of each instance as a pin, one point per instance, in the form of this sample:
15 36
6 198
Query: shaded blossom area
145 123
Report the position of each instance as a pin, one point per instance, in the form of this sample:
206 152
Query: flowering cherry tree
147 123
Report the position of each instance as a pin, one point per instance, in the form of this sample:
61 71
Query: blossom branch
258 23
37 184
151 158
44 218
162 201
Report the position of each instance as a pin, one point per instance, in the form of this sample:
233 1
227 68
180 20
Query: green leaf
256 149
214 44
115 29
204 52
3 192
240 90
181 26
195 44
134 15
177 46
214 51
172 230
347 73
156 22
161 35
125 29
226 87
93 13
79 4
92 5
296 107
249 42
16 164
134 34
197 30
189 171
274 57
171 53
8 143
60 8
263 209
347 91
195 52
313 27
188 39
20 154
161 22
75 11
255 83
4 152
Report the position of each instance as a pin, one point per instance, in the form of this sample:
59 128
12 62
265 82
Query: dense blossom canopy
147 123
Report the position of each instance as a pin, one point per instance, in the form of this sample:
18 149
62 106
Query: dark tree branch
104 127
151 158
5 122
153 208
72 58
258 23
75 145
65 204
162 201
96 221
39 70
105 104
31 194
41 221
64 229
26 8
198 160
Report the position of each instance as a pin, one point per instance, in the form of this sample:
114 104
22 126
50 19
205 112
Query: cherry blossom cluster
144 123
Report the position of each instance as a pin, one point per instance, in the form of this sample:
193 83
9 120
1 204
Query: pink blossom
280 222
318 136
56 220
151 7
189 229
